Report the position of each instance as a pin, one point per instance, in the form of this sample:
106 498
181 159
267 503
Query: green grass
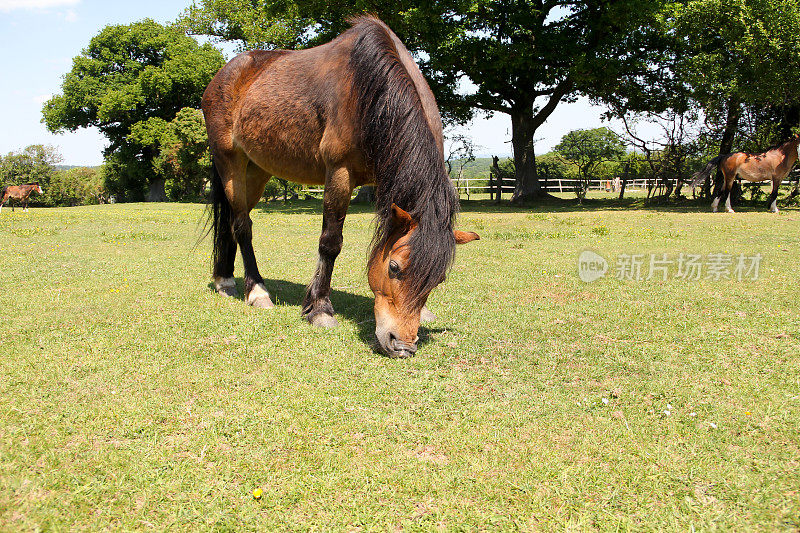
132 397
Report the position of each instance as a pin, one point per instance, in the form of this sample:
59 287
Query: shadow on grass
354 307
551 204
561 205
308 206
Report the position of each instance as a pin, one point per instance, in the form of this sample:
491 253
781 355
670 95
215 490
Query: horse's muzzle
393 347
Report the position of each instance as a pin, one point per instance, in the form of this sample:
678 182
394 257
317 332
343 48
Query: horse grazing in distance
774 164
354 111
19 192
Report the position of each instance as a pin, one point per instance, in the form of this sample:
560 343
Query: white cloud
70 16
10 5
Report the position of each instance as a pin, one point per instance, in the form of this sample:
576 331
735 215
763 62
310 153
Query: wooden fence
467 186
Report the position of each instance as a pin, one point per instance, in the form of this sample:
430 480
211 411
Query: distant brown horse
351 112
19 192
774 164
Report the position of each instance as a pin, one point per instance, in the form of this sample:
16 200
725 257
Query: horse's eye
394 269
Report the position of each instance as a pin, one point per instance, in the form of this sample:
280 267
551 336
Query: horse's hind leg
773 198
241 186
317 307
255 291
717 198
725 194
223 260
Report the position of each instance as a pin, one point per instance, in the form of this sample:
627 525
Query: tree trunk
365 195
726 143
527 186
157 191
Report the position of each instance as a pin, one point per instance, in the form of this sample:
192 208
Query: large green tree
518 57
127 75
34 163
735 55
183 158
586 150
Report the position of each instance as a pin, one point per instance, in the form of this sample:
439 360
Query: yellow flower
257 494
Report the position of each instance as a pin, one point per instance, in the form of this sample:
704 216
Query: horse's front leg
317 307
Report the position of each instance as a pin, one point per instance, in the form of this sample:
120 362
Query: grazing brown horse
774 164
351 112
19 192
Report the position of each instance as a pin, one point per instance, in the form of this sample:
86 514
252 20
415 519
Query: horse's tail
699 177
221 216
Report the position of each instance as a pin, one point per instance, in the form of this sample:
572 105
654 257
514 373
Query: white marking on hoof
225 286
323 320
715 205
774 206
426 315
259 297
728 207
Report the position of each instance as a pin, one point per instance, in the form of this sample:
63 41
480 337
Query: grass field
132 397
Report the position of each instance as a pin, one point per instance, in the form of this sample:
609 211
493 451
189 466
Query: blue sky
39 38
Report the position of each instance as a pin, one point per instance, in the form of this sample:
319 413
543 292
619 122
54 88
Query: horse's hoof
262 303
426 315
730 211
322 320
226 286
228 291
259 297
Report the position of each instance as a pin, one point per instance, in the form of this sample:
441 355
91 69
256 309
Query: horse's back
294 113
276 108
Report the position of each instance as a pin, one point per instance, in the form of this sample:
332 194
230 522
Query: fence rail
568 185
466 186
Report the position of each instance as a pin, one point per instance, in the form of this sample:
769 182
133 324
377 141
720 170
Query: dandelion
257 493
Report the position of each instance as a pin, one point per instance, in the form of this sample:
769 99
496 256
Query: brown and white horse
774 164
19 192
351 112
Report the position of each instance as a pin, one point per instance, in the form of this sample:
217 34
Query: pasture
133 397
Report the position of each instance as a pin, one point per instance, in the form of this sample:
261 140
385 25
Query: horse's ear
401 219
463 237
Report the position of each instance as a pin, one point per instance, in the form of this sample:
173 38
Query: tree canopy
127 75
34 163
586 149
183 159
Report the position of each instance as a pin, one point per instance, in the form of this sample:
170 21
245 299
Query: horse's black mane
408 165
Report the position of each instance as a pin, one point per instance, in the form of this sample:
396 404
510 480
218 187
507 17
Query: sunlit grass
132 397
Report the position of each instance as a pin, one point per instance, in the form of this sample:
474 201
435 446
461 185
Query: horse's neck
793 151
